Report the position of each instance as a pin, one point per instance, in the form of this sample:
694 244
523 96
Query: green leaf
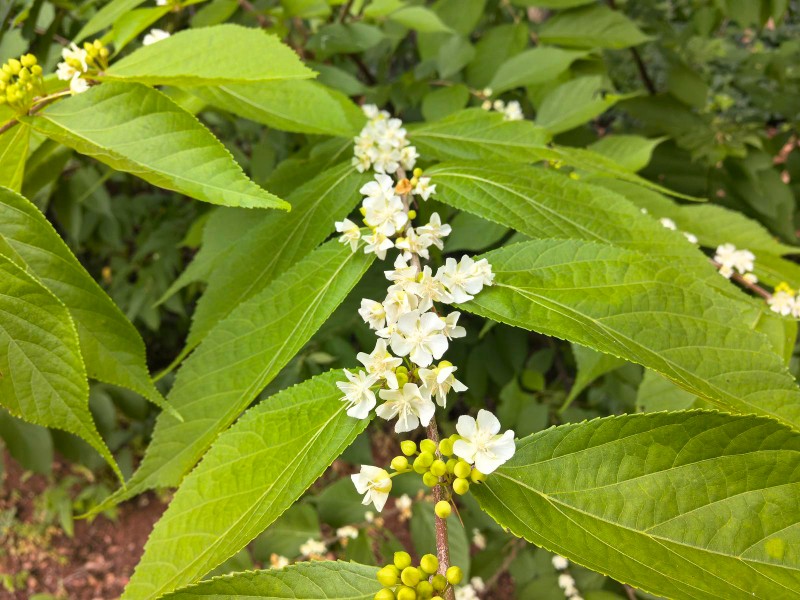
300 106
551 3
591 365
440 103
419 18
476 134
595 26
107 16
631 151
534 66
496 45
250 475
132 23
42 377
656 394
687 505
110 345
319 580
13 154
30 445
240 356
575 102
640 309
139 130
210 56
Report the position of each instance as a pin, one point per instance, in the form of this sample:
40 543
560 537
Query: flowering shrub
446 295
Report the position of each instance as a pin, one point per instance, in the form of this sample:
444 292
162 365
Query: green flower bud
402 560
438 468
443 509
400 463
401 369
384 594
27 60
410 576
428 446
426 458
412 214
414 181
461 486
406 593
462 469
437 598
446 447
439 583
388 576
417 172
476 476
419 467
402 379
15 65
408 447
454 575
451 465
424 590
429 479
454 438
445 363
36 70
429 564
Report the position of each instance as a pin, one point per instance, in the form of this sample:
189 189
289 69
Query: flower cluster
784 300
512 111
731 260
401 580
78 63
471 591
382 144
20 81
565 581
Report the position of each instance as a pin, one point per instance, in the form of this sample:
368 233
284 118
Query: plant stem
442 545
753 287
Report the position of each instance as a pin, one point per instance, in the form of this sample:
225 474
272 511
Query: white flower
420 337
513 112
77 85
358 393
351 233
782 302
378 243
408 157
383 209
403 274
398 302
413 243
313 547
162 2
567 583
387 159
276 561
731 260
373 313
559 562
481 444
381 363
379 190
64 72
463 279
429 290
424 189
412 405
155 35
404 504
375 484
75 56
478 584
498 105
451 329
690 236
668 223
466 592
435 230
440 380
486 105
743 261
369 516
750 278
348 531
478 539
371 111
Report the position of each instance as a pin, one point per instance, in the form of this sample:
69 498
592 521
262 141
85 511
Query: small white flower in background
731 260
371 112
470 591
351 233
73 54
567 583
413 243
750 278
155 35
64 72
347 532
440 380
373 313
559 562
478 539
412 405
424 189
358 393
408 157
276 561
382 144
435 230
451 329
668 223
420 337
690 236
783 300
313 547
465 278
374 483
369 516
162 2
404 504
378 243
498 105
478 584
78 85
481 443
429 290
513 112
381 363
743 261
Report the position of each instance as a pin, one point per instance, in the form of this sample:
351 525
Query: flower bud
387 577
446 447
454 438
429 564
438 468
461 486
443 510
417 172
439 583
424 590
385 594
402 379
462 469
406 593
410 576
15 65
476 476
426 458
402 560
27 60
429 479
437 598
451 465
412 214
408 447
428 446
363 211
400 463
454 575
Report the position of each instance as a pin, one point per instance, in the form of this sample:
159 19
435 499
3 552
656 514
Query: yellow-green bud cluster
401 580
96 55
454 472
20 82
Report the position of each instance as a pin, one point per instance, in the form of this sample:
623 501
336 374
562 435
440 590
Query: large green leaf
645 311
318 580
688 505
209 56
240 356
292 105
250 475
13 154
110 345
576 102
134 128
42 377
595 26
534 66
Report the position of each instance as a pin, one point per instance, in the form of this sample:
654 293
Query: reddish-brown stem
753 287
442 545
34 109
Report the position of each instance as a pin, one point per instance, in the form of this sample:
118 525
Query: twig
637 58
442 545
248 7
753 287
363 69
516 546
34 109
345 11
